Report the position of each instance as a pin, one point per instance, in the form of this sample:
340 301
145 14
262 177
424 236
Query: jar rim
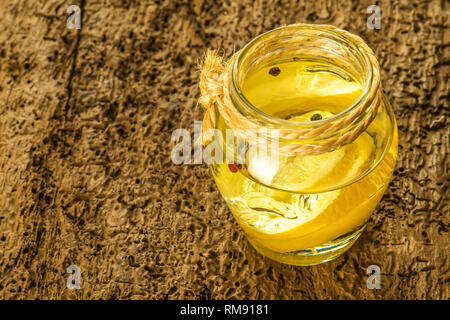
248 109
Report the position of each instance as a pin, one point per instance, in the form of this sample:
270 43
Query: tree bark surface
86 177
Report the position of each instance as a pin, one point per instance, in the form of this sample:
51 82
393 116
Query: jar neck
301 41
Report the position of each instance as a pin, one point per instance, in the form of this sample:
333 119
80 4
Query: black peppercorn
274 71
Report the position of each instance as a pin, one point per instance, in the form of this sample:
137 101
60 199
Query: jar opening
316 46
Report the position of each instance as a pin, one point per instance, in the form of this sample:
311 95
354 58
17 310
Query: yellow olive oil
300 205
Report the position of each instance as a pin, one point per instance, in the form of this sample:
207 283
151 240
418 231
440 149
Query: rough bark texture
86 179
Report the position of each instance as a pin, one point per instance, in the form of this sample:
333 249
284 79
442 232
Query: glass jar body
307 198
303 227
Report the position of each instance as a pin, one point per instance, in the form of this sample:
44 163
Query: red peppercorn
234 167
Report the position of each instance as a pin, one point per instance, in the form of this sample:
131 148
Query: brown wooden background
86 178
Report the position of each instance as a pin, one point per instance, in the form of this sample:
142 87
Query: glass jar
313 94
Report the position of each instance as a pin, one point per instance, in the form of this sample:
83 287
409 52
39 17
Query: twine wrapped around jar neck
216 82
